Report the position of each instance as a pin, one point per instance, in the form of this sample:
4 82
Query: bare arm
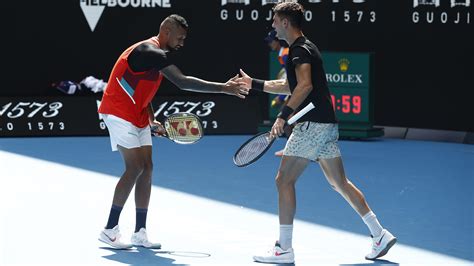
302 90
158 128
277 86
189 83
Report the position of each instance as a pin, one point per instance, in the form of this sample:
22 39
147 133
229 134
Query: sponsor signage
77 116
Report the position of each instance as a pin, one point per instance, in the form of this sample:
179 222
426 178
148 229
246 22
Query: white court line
52 214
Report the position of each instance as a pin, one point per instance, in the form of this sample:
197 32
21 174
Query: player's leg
334 171
133 168
329 157
294 161
123 137
382 239
143 190
143 187
291 168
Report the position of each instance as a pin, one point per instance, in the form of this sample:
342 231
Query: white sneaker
381 245
112 238
277 255
140 239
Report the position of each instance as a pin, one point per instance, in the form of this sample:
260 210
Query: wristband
285 112
257 84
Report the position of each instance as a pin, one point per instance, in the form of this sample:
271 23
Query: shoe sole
386 249
274 261
112 246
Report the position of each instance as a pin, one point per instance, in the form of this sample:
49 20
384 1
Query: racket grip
154 131
302 112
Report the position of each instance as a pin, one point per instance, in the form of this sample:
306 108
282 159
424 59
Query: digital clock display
350 104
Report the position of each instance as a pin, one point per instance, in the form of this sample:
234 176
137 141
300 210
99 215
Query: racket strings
253 149
186 135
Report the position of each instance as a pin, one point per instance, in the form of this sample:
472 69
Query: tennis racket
182 128
256 146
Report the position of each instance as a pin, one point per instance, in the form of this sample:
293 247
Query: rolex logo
343 64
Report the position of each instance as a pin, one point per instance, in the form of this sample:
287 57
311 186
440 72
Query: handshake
239 85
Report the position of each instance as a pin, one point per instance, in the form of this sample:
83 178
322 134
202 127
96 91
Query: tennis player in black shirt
314 137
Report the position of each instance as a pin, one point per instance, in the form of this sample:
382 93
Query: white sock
372 223
286 236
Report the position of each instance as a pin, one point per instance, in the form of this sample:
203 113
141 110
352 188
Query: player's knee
134 169
340 186
148 167
283 181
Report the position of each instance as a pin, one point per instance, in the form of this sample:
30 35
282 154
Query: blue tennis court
56 195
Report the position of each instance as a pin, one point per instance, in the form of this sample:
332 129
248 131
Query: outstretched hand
235 87
246 80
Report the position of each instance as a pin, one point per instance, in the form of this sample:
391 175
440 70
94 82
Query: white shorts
125 134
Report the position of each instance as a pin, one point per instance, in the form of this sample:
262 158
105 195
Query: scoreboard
350 79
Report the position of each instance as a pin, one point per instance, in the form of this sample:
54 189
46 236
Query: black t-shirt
304 51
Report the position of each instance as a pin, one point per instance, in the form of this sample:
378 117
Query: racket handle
154 131
302 112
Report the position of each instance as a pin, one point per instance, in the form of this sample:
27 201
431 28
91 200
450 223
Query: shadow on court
374 263
139 256
420 191
378 262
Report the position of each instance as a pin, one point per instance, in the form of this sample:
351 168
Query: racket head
253 149
183 128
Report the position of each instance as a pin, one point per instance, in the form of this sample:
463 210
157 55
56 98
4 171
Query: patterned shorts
313 141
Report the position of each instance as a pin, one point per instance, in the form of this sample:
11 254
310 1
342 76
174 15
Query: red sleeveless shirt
128 93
